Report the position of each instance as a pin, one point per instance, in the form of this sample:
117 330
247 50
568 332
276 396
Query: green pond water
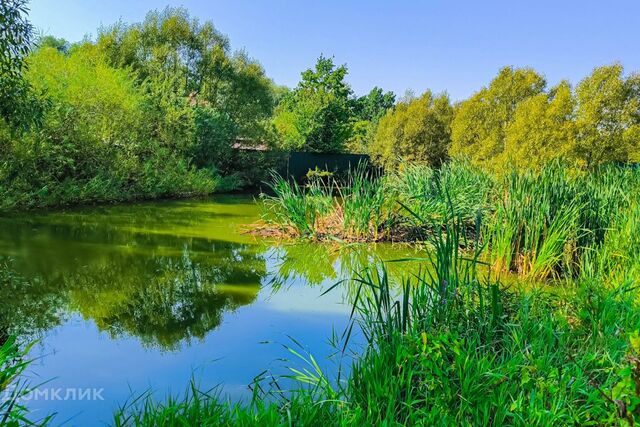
131 298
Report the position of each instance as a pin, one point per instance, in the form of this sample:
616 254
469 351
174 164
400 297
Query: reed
13 387
362 201
297 208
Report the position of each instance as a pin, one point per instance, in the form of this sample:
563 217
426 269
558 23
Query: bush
101 138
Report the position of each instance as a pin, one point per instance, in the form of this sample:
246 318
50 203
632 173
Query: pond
133 298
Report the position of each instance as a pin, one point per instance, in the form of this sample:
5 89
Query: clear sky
457 46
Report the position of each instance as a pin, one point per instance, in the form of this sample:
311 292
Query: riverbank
197 185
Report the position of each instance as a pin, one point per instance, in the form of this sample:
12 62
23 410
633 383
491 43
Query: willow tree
416 130
177 57
479 129
608 117
542 129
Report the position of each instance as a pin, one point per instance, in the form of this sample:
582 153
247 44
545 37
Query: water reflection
137 296
316 264
164 273
143 271
165 300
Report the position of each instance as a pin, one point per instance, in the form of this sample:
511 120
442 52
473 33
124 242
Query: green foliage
374 105
542 129
101 138
13 387
16 36
417 130
607 117
297 207
531 208
626 393
362 201
366 113
432 193
515 121
546 222
366 204
59 44
200 94
214 135
479 128
172 50
315 115
19 108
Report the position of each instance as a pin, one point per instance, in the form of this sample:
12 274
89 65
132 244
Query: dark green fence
298 163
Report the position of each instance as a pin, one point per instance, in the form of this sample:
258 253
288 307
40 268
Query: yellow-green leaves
517 121
417 130
608 116
542 129
479 128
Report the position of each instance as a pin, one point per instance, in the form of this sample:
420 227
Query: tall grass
353 210
536 217
362 201
366 205
429 192
544 222
539 224
13 387
449 349
297 207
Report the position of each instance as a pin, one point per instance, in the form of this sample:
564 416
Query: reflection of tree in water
27 306
156 286
314 263
164 301
140 271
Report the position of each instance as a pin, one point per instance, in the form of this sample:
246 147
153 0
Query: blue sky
457 46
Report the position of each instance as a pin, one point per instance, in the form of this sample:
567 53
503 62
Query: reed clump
538 224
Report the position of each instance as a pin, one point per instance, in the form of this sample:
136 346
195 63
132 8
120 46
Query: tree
366 112
315 115
96 122
516 121
417 130
479 129
18 106
608 117
374 105
181 57
214 132
100 139
59 44
543 128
